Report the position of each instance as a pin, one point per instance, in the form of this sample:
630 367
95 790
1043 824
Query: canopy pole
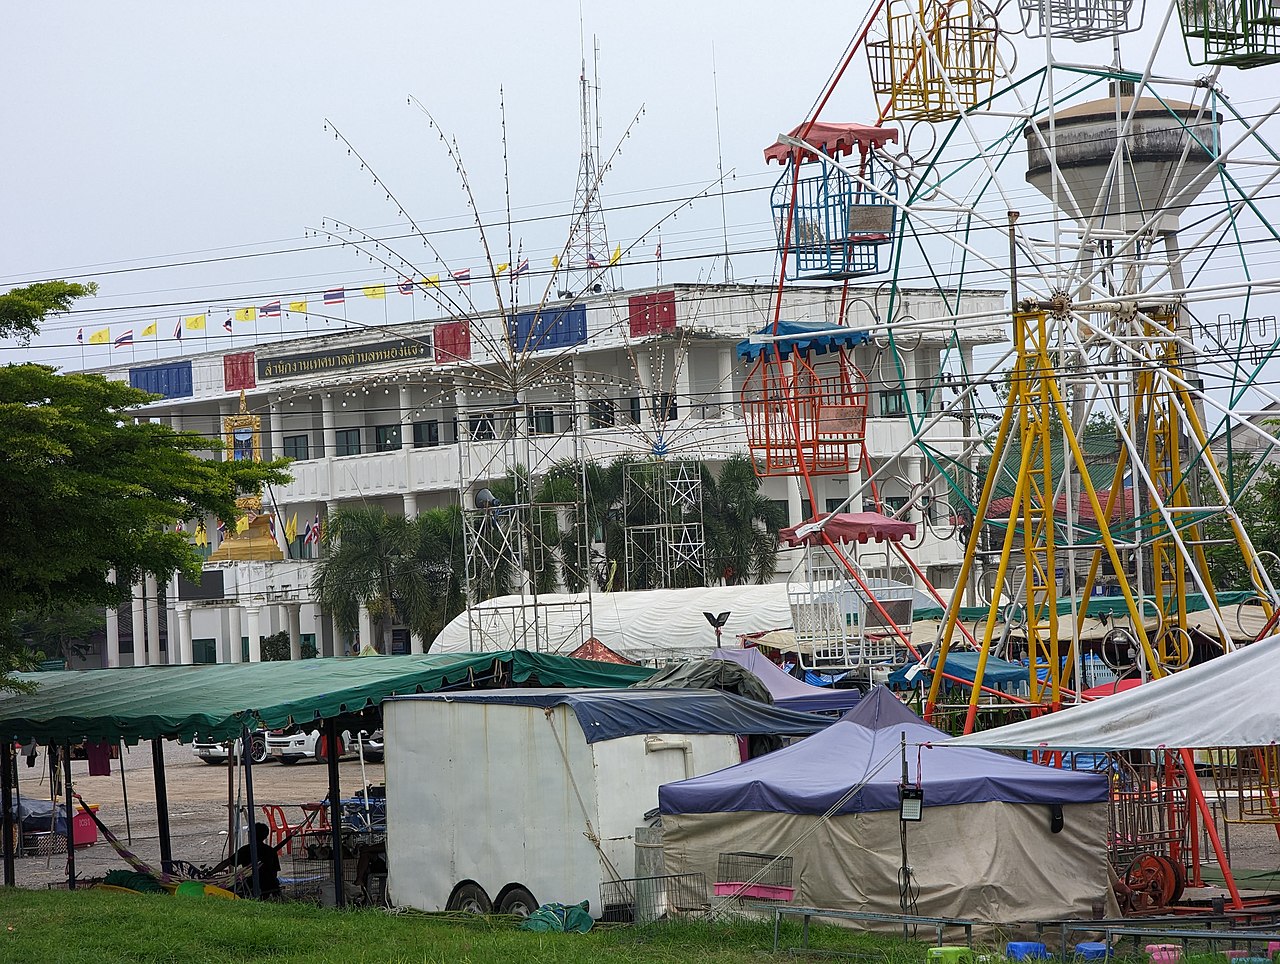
246 754
124 792
162 805
335 809
6 801
71 837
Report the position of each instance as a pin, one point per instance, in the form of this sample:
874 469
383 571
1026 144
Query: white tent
1233 700
652 625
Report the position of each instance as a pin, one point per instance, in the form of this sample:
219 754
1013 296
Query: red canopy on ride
1110 689
833 140
849 527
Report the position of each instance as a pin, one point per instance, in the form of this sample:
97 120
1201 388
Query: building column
724 369
681 387
235 648
406 417
276 422
293 611
644 385
328 426
186 652
139 627
366 628
113 629
153 622
578 385
325 645
417 645
253 615
410 500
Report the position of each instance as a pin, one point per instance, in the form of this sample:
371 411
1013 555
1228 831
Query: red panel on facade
652 314
453 341
238 372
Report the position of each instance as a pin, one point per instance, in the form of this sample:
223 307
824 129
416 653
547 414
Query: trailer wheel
517 901
469 898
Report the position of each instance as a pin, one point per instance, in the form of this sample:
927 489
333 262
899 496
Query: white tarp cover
1233 700
641 626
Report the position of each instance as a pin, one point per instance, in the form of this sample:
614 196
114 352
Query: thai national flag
522 267
80 336
222 530
270 311
125 339
335 296
313 532
462 276
177 331
406 286
226 325
592 263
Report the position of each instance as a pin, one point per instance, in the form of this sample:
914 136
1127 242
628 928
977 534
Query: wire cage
643 900
1149 839
1249 778
933 60
839 624
1234 33
1080 20
805 412
757 876
830 224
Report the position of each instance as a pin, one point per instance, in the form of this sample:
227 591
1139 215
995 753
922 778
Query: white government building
371 416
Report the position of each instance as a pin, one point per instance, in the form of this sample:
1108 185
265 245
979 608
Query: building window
664 407
481 426
633 410
600 413
893 403
426 434
833 505
386 438
347 441
893 503
806 510
782 509
297 447
922 402
542 421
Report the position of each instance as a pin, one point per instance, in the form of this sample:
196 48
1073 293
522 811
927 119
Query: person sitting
268 864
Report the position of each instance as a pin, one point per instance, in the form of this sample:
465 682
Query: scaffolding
664 536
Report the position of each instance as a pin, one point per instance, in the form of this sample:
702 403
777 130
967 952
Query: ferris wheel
1122 209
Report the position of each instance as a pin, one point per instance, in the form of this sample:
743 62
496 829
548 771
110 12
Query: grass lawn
45 927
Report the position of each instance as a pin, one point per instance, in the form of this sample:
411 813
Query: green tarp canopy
217 700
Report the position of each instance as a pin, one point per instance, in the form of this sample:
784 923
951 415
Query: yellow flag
202 535
246 314
242 524
194 322
149 330
501 268
100 337
616 256
375 291
432 282
291 528
555 261
298 306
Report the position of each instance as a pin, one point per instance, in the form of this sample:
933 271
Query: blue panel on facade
549 328
169 381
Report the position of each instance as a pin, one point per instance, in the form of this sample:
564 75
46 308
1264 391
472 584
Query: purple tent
857 764
789 692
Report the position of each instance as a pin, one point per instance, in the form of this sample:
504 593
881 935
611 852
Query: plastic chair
280 827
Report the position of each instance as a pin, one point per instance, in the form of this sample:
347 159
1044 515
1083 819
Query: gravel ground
197 806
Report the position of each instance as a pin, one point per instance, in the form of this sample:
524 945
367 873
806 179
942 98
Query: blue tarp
863 750
997 672
610 714
816 336
788 692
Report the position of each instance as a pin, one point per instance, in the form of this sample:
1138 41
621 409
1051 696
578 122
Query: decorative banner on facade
237 372
337 359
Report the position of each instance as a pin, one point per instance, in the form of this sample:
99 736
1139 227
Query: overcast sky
177 154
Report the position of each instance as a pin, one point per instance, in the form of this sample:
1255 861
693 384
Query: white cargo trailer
505 799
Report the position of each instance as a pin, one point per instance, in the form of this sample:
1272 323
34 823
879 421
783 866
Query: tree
741 524
59 631
364 549
87 490
23 309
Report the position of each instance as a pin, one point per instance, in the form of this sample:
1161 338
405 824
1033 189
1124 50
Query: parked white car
215 754
290 746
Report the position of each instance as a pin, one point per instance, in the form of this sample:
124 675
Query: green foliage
741 524
87 490
23 309
1258 506
58 631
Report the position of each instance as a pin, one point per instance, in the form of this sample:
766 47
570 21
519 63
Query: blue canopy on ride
855 766
816 336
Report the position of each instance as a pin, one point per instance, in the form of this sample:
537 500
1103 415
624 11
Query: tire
258 752
518 902
469 898
288 761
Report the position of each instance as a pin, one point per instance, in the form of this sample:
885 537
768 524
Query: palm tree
741 524
431 583
364 555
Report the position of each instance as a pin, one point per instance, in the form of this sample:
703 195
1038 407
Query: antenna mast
588 252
